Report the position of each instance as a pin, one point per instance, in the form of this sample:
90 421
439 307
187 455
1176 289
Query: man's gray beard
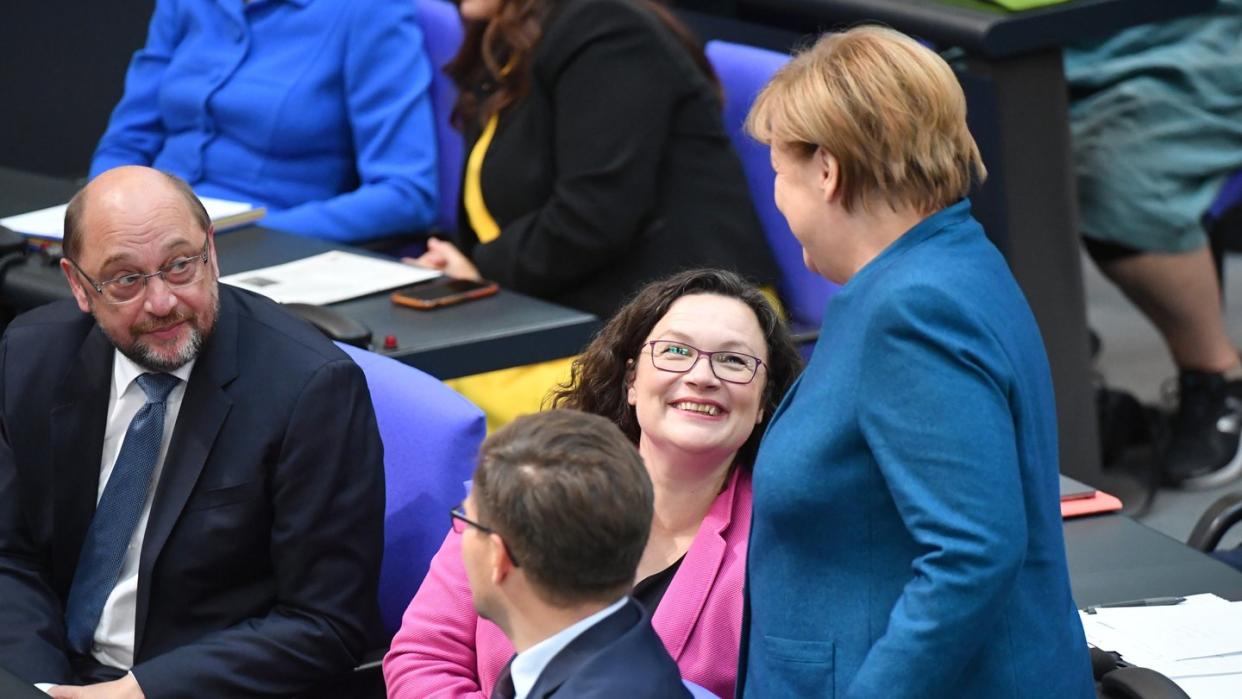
142 355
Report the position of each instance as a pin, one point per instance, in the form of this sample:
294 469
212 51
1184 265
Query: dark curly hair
600 374
498 54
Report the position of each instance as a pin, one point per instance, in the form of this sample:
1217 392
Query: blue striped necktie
116 515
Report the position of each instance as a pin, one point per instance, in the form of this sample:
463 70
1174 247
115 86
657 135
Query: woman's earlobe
829 173
631 396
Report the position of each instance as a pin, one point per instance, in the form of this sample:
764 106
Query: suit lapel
682 605
80 409
590 642
203 411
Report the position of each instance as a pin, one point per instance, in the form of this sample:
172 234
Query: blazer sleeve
434 654
135 133
388 95
613 85
32 626
955 480
326 541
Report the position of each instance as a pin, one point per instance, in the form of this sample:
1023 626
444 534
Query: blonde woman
906 539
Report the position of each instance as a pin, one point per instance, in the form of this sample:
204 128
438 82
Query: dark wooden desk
1015 88
1112 558
505 330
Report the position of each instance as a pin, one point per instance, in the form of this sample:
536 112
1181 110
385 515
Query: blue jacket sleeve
135 132
936 417
388 81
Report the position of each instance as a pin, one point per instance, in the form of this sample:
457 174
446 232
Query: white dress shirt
529 664
114 637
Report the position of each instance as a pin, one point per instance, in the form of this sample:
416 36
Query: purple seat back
431 438
743 71
442 34
1230 195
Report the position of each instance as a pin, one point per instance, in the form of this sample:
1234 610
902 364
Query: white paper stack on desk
49 223
1197 643
329 277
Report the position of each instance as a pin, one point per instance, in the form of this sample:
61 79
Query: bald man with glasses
191 480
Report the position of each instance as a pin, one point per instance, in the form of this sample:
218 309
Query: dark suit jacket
261 556
621 656
615 169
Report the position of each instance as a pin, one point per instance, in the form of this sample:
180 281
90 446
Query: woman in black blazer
598 159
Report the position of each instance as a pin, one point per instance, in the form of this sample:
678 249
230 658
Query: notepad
49 223
329 277
1191 643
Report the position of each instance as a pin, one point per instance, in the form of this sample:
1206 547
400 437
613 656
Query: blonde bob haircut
889 110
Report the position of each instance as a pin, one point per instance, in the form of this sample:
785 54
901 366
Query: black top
650 590
615 169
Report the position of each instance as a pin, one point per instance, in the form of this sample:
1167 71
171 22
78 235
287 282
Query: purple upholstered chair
431 438
743 71
442 35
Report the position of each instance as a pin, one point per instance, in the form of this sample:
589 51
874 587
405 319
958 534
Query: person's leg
1180 294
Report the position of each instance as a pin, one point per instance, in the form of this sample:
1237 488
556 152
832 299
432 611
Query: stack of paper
329 277
1197 644
49 223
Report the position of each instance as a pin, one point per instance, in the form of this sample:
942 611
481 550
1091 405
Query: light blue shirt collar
528 665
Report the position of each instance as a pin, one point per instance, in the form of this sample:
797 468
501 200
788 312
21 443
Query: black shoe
1203 450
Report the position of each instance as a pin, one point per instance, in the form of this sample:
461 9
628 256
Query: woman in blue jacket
906 539
318 110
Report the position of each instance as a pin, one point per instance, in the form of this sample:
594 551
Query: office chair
442 34
743 71
1212 526
431 438
1113 682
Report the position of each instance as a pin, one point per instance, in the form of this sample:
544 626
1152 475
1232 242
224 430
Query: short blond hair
888 109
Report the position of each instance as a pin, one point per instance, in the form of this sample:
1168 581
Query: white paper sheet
1196 643
50 222
329 277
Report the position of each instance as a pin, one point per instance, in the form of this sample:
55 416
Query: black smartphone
442 291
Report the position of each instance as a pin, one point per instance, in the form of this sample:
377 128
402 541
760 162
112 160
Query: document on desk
49 223
1197 643
329 277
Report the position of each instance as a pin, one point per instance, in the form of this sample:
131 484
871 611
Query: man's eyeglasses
459 520
726 365
182 271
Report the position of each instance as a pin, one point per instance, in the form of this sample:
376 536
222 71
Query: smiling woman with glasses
696 415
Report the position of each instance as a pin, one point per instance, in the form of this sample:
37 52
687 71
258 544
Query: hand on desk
445 257
124 688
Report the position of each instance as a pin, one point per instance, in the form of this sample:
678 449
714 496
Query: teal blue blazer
906 539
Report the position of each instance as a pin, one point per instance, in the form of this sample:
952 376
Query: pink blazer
445 650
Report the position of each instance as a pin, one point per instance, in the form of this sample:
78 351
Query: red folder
1098 502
